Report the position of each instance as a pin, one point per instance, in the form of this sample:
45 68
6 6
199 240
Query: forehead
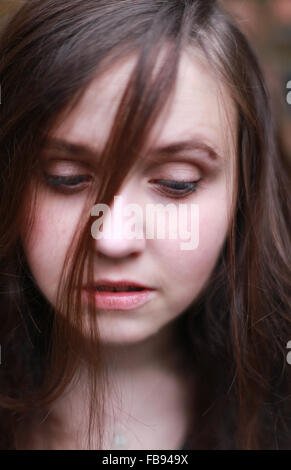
199 106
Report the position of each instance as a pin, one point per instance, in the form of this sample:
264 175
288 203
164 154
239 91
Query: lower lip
119 300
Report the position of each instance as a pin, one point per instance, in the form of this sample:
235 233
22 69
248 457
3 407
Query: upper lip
120 283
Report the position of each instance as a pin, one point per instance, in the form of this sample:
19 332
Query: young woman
157 102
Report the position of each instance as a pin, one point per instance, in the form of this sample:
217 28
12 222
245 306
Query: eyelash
66 184
174 189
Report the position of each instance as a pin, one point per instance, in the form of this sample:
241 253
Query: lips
118 295
105 288
117 286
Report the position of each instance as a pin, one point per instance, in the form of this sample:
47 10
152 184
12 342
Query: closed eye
177 188
67 183
75 183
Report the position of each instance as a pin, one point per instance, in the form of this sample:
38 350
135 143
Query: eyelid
174 169
183 177
60 164
193 159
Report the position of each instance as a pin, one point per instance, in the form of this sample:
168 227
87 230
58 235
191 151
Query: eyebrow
70 150
191 145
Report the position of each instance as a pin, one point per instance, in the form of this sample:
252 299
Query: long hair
235 333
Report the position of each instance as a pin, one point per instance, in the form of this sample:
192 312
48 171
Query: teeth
118 289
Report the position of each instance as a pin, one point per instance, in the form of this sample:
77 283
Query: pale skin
143 361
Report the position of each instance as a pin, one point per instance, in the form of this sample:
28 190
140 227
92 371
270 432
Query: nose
119 232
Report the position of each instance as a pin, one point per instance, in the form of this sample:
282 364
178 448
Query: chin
126 333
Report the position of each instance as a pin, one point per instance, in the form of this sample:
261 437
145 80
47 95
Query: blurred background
267 24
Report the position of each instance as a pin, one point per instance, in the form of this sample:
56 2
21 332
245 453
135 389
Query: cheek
186 271
213 226
46 245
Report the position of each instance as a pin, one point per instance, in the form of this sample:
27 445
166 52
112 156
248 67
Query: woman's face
196 115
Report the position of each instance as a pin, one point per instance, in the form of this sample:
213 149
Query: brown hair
235 333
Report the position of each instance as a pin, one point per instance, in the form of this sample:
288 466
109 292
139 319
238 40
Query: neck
147 395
